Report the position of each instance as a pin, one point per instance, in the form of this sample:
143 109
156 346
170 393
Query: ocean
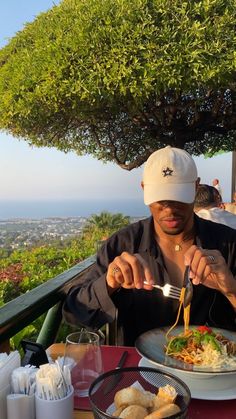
69 208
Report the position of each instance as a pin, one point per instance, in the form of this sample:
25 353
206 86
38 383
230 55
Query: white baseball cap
170 174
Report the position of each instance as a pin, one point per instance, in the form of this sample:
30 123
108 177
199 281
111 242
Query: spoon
188 287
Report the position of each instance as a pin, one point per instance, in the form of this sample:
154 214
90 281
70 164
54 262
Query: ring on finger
211 258
115 270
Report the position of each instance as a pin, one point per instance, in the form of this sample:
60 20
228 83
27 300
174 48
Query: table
198 409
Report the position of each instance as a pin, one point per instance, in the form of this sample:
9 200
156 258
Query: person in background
119 286
216 185
208 205
231 206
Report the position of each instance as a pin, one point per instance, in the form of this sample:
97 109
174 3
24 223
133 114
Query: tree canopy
120 79
104 224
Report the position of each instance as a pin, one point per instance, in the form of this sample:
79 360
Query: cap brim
172 192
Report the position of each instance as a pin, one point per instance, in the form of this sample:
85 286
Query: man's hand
208 267
128 271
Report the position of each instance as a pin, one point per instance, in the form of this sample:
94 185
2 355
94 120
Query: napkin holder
20 406
12 362
3 401
58 409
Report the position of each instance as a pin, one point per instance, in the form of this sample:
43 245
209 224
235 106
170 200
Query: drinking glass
83 354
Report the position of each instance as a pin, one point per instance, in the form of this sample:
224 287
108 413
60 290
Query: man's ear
142 184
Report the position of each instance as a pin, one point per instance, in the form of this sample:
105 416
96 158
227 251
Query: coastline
70 208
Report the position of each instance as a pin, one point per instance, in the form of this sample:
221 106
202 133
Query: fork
188 295
168 290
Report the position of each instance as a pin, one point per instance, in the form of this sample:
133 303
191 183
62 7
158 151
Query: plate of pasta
215 380
199 351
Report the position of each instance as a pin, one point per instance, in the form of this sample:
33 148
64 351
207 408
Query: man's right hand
128 271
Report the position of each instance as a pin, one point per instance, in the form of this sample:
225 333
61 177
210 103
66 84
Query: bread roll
164 412
165 395
131 395
134 412
168 393
118 412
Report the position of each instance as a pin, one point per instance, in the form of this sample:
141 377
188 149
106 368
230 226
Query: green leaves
100 226
120 79
25 269
176 345
208 338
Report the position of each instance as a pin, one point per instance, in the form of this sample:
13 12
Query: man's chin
172 231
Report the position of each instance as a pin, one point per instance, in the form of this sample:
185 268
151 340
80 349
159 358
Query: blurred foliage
118 79
24 269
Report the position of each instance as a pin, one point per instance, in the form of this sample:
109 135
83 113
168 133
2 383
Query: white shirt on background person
218 215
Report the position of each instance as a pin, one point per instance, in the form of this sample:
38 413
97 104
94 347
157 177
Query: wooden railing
48 297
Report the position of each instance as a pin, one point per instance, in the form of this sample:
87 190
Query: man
157 250
208 205
216 184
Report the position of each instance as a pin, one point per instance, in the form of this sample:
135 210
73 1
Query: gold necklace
178 246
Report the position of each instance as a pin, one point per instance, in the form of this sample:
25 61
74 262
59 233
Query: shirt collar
148 242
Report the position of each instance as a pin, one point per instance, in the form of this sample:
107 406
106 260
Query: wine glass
83 355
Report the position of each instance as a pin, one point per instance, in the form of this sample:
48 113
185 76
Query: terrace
48 298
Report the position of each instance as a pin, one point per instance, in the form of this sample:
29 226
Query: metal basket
149 378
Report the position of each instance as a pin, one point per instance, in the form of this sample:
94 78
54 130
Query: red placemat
212 409
111 356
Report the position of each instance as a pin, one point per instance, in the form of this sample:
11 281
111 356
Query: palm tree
101 226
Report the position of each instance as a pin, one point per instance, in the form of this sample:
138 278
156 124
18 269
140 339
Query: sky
30 173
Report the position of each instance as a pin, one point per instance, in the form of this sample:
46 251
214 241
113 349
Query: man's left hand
209 267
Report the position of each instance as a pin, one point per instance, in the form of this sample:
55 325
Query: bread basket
144 378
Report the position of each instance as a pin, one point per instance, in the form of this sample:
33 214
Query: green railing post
50 327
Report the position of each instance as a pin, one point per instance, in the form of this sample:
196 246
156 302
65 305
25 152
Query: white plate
220 387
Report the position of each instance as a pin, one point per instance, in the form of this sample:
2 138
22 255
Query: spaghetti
202 346
186 314
199 346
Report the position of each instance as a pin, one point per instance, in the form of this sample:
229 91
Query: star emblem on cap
167 172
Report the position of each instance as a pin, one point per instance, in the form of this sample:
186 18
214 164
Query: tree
101 226
118 79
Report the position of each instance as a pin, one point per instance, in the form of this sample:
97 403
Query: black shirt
89 304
